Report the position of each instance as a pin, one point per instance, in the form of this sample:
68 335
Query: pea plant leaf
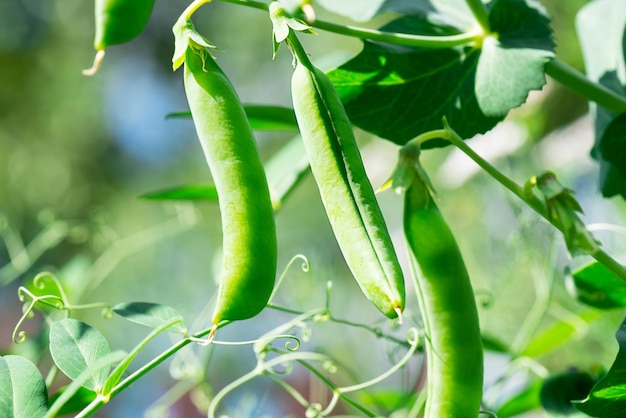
526 400
75 346
559 390
600 27
398 93
77 401
597 286
610 150
261 117
608 396
23 393
558 334
284 170
152 315
189 192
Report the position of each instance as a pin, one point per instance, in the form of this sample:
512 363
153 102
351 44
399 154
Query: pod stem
191 9
298 50
97 63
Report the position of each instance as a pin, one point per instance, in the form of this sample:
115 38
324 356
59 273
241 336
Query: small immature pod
249 242
346 191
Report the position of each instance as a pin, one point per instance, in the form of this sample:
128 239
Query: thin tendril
28 310
305 268
39 283
413 339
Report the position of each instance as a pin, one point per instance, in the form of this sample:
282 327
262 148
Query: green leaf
76 402
151 315
600 27
75 346
398 93
262 117
102 363
23 392
610 150
526 400
608 396
512 64
559 390
271 118
558 334
597 286
194 192
284 171
495 345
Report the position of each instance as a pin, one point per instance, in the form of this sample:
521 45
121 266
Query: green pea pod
346 191
453 343
118 22
249 242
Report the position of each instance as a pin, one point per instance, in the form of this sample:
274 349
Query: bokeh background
76 154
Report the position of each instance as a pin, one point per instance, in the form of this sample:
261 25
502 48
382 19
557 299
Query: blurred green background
76 154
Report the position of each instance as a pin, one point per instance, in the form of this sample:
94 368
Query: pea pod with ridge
347 194
249 232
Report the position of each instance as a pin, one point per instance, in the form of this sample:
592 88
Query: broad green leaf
608 396
284 171
597 286
512 64
151 315
558 334
102 363
75 346
610 150
262 117
23 393
271 118
194 192
76 402
526 400
600 27
491 343
558 392
398 93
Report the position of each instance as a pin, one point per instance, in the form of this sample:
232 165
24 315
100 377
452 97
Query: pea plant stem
534 202
395 38
580 84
